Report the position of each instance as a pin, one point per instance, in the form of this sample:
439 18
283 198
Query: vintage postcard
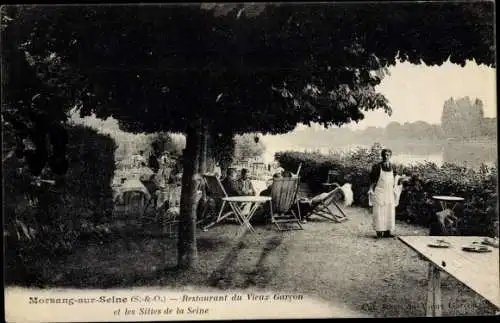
218 161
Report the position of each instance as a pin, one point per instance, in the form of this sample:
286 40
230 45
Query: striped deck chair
325 207
215 190
284 200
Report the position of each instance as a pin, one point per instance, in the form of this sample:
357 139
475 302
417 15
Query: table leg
245 217
253 209
434 305
271 210
241 218
443 205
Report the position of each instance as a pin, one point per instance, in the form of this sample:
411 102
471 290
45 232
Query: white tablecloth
259 186
130 185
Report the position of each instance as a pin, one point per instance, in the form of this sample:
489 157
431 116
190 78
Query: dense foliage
248 146
45 220
479 187
162 143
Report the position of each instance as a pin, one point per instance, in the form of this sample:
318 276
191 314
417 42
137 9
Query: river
470 154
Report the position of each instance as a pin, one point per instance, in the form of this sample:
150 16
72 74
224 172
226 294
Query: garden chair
215 190
163 202
325 207
298 171
284 200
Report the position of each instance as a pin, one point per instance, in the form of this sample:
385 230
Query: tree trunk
210 152
187 255
203 150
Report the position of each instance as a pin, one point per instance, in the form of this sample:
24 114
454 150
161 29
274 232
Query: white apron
384 203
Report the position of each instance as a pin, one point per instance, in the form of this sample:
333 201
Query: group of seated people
238 186
242 186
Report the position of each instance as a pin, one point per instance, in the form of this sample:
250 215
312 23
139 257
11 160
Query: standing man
153 162
383 195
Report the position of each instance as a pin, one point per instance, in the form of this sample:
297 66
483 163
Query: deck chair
216 190
284 200
297 174
325 208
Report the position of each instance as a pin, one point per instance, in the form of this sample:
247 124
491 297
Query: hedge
478 214
81 197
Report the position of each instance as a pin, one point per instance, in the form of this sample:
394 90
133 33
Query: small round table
444 200
245 206
451 220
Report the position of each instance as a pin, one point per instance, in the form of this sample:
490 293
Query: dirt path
344 264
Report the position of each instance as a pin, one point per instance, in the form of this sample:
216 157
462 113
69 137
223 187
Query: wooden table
478 271
244 207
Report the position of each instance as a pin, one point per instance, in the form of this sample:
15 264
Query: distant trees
464 119
246 147
162 142
394 130
460 119
489 127
418 130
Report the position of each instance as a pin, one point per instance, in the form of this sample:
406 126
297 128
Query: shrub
478 187
83 195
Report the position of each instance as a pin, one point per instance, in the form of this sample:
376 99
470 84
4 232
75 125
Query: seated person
307 204
153 188
208 207
262 213
267 191
230 183
245 184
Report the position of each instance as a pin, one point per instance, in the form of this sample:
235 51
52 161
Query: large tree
226 69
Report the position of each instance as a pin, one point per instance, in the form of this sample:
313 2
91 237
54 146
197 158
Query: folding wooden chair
134 201
216 190
325 207
284 199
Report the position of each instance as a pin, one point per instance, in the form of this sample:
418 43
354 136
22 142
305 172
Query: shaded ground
340 263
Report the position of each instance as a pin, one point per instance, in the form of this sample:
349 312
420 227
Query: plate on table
476 247
493 242
439 244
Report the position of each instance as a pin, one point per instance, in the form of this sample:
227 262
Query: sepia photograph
263 160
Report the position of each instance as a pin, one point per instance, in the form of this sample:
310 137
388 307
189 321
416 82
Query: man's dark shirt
231 187
266 192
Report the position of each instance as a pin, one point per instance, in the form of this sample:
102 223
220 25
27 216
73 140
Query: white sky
418 92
